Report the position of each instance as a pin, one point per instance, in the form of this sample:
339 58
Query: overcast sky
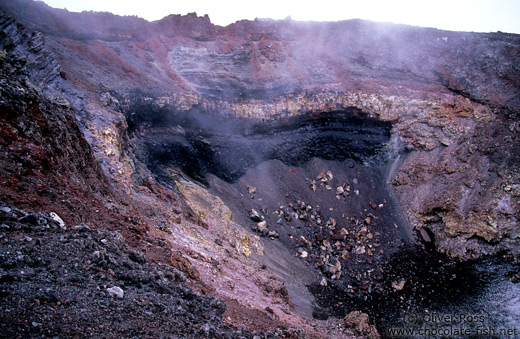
457 15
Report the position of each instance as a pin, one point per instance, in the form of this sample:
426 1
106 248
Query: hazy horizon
461 15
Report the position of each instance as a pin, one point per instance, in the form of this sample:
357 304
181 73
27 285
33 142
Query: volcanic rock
253 214
360 323
261 226
116 291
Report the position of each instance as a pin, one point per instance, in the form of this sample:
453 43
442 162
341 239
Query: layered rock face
437 111
452 98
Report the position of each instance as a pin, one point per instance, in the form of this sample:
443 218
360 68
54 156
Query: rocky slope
443 92
172 131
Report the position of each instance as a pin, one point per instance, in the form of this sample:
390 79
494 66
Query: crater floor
315 190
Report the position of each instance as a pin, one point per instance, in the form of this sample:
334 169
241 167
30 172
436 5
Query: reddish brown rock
359 322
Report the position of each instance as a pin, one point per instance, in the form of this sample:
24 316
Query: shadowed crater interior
200 143
334 232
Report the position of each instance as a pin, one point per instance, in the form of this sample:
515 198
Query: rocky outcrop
45 158
26 54
463 193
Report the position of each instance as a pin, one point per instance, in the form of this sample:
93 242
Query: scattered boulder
261 226
253 214
56 218
116 291
329 175
359 323
264 231
398 285
424 235
273 235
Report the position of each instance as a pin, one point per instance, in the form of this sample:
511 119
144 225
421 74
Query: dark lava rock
87 283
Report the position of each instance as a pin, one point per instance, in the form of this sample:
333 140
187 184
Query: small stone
359 323
423 233
29 219
323 282
329 175
251 189
253 214
261 226
398 285
57 219
360 250
5 209
35 324
313 185
304 254
116 292
326 243
305 241
331 269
